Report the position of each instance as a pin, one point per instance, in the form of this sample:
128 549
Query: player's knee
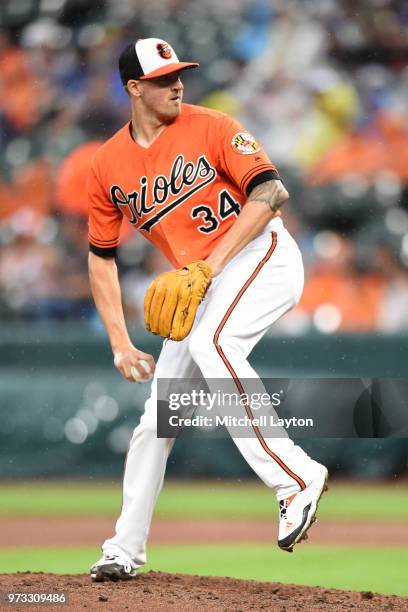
204 348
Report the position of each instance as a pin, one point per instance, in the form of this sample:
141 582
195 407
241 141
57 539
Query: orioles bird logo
164 51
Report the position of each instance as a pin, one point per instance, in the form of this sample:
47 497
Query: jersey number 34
226 206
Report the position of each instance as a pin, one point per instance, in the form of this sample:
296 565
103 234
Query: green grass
228 500
382 570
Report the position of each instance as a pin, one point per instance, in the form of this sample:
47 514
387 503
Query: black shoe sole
112 572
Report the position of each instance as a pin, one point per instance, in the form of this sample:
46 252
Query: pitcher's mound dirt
172 592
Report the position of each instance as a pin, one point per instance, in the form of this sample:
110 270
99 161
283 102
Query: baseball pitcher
196 184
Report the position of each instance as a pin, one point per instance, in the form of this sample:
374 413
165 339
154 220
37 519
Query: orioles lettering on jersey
183 192
134 205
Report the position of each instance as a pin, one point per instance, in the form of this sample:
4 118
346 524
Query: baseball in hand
136 374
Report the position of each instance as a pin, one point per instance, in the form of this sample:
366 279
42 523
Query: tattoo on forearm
271 192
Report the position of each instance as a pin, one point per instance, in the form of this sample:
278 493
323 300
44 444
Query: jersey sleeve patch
245 143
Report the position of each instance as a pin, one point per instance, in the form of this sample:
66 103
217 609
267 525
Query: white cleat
297 512
113 567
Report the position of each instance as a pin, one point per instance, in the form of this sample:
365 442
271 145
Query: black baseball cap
149 58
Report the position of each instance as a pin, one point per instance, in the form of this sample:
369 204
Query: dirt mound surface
160 591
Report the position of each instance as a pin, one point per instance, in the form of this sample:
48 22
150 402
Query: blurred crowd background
323 84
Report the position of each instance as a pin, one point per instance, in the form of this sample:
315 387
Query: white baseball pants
255 289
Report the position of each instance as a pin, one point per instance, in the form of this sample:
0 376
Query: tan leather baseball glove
172 300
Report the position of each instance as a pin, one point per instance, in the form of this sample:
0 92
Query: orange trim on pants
249 412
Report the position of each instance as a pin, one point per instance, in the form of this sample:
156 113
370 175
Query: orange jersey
183 192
